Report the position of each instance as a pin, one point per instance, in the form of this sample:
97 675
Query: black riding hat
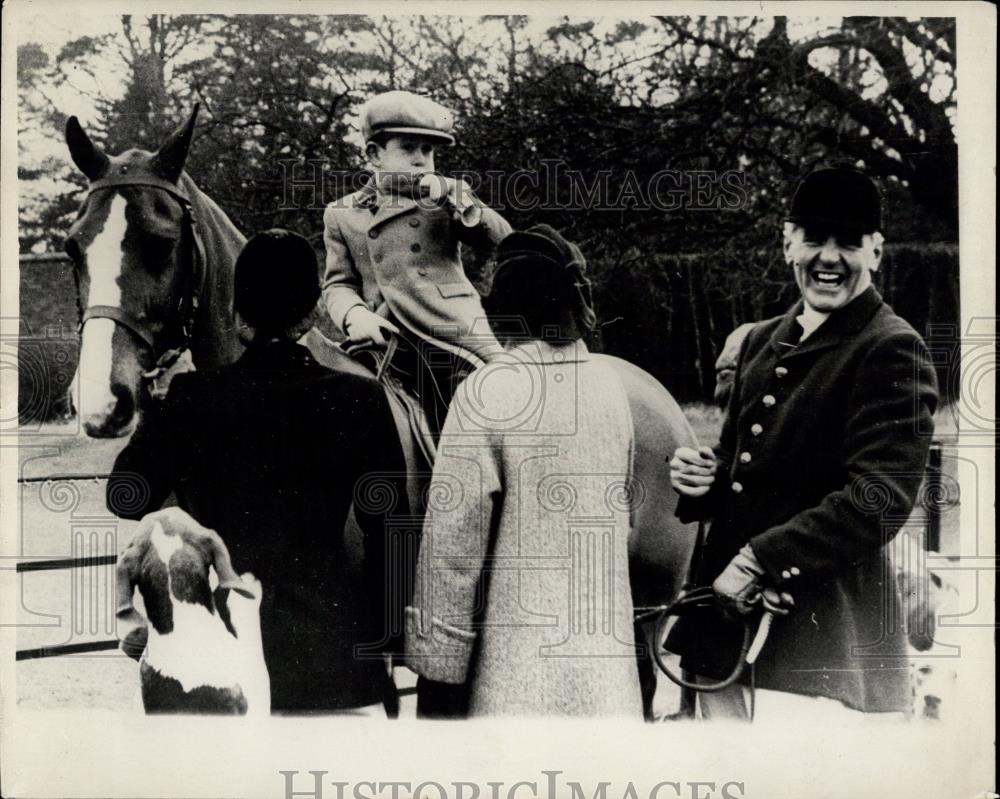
277 280
545 247
838 197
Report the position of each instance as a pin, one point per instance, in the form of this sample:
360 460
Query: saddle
416 436
388 373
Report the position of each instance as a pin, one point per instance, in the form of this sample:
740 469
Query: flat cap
838 196
406 112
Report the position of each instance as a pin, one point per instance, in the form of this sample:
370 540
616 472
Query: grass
706 421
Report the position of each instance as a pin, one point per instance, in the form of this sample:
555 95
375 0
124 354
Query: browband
125 179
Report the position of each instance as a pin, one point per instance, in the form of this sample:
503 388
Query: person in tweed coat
522 595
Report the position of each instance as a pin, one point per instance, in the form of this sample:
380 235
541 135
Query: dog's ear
228 578
211 543
126 572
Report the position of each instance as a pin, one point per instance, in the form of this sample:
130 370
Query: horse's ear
169 160
90 159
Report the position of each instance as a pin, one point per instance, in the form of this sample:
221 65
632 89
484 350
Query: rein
701 597
704 596
187 305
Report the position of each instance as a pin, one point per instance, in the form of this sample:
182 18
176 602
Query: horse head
134 261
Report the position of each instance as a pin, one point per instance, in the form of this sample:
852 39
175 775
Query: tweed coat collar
382 206
546 353
367 196
849 319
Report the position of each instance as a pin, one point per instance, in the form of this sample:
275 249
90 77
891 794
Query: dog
199 649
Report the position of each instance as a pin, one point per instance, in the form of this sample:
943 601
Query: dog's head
169 559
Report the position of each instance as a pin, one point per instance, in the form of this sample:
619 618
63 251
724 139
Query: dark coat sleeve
380 495
690 509
487 234
884 451
143 475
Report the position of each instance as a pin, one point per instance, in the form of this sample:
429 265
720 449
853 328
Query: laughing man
818 465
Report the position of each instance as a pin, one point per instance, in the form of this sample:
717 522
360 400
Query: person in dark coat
819 463
269 452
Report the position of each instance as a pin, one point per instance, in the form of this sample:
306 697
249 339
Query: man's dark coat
267 452
820 461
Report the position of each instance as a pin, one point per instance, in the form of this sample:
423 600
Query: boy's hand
443 189
692 472
456 195
364 326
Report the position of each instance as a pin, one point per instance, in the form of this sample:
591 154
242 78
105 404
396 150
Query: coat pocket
449 290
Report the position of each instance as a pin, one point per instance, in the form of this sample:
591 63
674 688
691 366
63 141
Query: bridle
187 305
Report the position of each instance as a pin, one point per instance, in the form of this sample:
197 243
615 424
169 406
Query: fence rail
932 538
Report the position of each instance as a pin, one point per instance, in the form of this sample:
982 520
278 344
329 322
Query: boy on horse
392 253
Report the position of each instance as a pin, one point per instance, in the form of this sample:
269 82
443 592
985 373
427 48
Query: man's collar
275 351
849 319
547 352
810 320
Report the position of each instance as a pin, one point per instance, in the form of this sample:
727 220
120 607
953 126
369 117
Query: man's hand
777 602
692 472
363 326
740 587
739 584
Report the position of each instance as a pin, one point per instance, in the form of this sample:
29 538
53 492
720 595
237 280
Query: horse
154 257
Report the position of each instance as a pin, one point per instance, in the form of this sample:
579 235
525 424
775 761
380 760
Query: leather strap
120 317
119 179
187 307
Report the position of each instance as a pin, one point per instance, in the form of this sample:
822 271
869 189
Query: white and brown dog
200 651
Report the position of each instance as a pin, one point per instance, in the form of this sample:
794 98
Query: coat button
745 457
422 270
786 575
768 400
795 571
756 429
780 371
373 234
415 247
737 488
414 222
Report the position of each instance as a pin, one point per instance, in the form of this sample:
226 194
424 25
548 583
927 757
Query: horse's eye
160 245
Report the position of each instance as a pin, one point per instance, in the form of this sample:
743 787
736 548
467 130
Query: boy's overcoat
398 255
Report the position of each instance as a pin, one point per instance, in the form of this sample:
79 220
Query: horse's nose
116 420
